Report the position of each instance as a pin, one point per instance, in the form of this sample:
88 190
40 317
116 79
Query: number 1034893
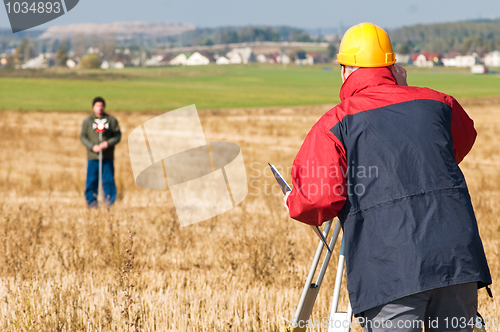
35 7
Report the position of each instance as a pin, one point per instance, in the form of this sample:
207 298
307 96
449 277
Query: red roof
452 55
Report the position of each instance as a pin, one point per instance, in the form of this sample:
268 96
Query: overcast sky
297 13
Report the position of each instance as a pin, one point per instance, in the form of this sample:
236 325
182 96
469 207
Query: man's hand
96 148
399 74
103 145
284 200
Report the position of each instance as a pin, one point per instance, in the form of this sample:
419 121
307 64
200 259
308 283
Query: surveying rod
310 292
99 188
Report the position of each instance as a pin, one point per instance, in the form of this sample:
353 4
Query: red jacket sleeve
462 131
318 176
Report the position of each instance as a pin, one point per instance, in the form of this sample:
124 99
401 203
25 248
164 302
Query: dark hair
97 100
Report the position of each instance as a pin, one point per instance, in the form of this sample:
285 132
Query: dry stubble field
64 267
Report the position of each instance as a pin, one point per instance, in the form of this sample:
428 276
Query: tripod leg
310 292
339 321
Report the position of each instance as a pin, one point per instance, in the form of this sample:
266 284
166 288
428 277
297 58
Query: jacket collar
364 78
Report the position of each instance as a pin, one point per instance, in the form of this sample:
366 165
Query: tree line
228 35
480 36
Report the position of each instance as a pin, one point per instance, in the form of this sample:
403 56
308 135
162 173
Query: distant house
196 59
117 65
316 57
155 61
479 69
302 58
403 58
245 54
179 60
261 58
455 59
420 60
36 63
427 59
450 59
449 62
464 61
492 59
71 63
136 62
104 65
234 57
222 60
283 58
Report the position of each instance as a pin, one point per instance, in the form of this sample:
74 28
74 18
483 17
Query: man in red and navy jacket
385 161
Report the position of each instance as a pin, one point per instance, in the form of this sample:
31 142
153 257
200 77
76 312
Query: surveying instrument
338 321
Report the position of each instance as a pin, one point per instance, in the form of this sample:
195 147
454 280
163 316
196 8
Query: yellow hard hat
366 45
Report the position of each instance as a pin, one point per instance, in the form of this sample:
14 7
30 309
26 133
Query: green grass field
134 89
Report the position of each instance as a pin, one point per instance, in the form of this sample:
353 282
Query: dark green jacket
90 137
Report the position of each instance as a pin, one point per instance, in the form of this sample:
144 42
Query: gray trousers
451 308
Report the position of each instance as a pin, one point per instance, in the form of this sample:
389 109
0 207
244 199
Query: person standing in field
90 138
385 161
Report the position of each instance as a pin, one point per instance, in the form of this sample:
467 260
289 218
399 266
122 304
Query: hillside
121 30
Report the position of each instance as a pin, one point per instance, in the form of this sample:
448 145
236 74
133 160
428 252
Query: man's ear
343 73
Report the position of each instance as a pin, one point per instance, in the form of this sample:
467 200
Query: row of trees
465 37
78 46
228 35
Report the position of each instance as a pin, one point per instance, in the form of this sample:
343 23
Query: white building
422 61
492 59
261 58
479 69
403 58
136 62
307 59
117 65
179 60
222 60
284 59
197 59
245 54
234 57
71 63
36 63
464 61
104 65
93 50
449 62
155 61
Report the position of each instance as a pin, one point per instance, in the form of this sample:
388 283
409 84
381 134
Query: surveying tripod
338 321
